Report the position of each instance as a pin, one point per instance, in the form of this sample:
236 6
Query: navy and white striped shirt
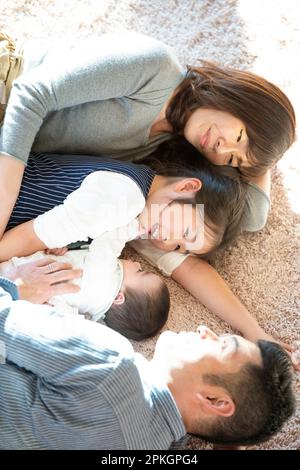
68 383
49 178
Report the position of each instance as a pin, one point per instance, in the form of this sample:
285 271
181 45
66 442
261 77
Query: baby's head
142 305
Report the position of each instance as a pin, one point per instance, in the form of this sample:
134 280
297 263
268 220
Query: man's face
186 356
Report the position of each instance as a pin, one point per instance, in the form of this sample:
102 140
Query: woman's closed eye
240 136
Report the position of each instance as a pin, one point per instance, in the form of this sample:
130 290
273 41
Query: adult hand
40 280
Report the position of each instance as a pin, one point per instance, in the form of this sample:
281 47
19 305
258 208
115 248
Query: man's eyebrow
235 343
232 342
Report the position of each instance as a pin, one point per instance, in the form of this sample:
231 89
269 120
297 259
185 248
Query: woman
122 95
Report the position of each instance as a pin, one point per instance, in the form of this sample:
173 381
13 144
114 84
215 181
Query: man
68 383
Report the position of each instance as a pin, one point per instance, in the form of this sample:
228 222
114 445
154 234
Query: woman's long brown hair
265 110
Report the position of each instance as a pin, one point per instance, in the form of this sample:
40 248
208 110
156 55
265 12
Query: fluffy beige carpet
262 268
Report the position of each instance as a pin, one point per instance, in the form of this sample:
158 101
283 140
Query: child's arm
20 241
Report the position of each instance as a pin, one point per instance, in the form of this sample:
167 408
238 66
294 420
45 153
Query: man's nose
206 333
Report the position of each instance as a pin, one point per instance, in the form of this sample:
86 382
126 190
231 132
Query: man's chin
165 341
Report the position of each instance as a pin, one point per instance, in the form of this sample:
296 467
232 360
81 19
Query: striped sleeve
63 350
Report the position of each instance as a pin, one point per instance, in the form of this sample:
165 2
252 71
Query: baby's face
135 278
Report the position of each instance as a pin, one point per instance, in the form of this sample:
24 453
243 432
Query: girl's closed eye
186 233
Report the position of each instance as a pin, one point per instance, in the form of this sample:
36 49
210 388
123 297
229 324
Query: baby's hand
56 251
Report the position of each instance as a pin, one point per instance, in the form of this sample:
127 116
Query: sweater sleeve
165 261
91 71
257 208
104 201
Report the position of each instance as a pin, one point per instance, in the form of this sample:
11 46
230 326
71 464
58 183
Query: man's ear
120 299
187 187
220 404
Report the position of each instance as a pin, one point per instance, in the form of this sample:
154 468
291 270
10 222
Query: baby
133 302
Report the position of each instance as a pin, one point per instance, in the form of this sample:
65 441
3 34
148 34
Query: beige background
263 36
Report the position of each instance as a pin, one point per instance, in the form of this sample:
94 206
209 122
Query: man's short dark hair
142 315
263 398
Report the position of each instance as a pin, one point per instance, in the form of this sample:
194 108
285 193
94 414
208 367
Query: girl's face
181 228
221 137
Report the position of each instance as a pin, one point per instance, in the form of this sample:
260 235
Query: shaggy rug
262 268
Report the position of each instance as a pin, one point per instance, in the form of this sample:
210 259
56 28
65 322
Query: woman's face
221 137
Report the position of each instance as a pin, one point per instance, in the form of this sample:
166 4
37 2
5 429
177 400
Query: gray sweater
99 97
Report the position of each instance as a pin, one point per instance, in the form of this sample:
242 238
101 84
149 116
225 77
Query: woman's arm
205 284
11 173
